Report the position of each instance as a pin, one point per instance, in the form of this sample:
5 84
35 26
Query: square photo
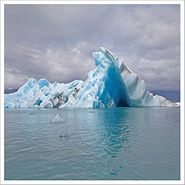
92 92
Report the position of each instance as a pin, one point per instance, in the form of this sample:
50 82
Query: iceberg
110 84
57 119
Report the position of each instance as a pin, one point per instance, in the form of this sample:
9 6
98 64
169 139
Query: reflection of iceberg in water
115 130
117 134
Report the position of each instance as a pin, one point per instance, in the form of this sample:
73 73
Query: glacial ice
57 119
110 84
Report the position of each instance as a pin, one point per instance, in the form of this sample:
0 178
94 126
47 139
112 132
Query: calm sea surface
104 144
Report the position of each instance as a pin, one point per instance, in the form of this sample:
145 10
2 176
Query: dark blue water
120 143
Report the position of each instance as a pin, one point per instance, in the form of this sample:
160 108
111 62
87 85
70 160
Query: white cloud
13 77
75 51
56 64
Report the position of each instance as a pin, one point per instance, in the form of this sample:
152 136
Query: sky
56 41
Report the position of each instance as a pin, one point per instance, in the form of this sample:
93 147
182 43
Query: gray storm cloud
56 41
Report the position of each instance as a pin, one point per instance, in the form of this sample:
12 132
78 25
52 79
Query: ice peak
43 82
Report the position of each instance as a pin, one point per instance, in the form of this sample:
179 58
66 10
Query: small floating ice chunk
91 111
57 119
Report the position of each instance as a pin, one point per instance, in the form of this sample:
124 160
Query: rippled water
120 143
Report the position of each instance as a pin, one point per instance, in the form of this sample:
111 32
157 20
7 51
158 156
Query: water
104 144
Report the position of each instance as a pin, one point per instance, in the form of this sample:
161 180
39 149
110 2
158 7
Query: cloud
56 41
56 64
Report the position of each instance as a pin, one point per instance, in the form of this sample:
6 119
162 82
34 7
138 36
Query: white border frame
181 181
